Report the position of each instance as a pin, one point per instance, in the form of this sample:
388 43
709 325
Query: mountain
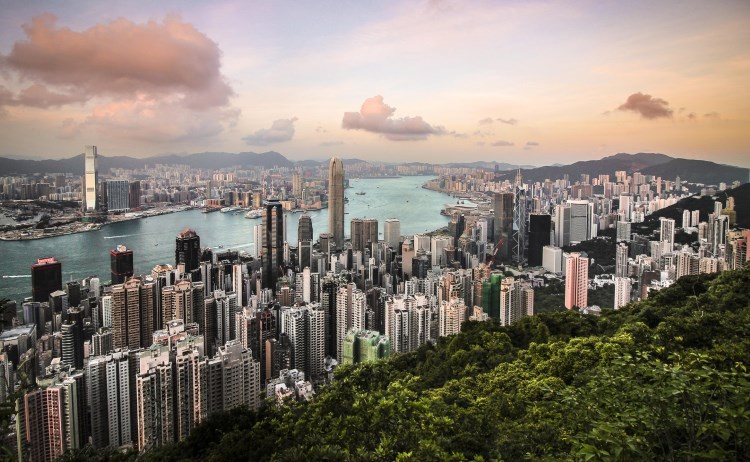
501 166
207 160
661 379
693 171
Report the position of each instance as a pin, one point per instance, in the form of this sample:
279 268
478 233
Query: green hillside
662 379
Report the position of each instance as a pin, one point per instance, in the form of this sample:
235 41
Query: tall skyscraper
121 264
188 250
273 243
621 260
364 231
134 195
336 202
540 227
576 281
503 224
666 236
392 232
305 228
90 180
118 195
46 277
126 314
519 221
581 220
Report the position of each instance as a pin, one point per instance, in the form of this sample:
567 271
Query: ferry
362 193
255 213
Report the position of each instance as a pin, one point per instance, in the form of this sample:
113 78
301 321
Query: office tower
438 244
329 287
362 346
540 227
562 225
450 316
240 376
503 204
518 249
622 292
364 232
392 232
305 256
188 250
336 202
118 194
279 356
552 259
305 228
621 260
624 209
134 195
297 184
666 234
516 301
581 219
576 281
121 263
73 289
90 180
623 231
46 277
273 243
72 339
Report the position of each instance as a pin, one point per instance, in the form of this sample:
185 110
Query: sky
524 82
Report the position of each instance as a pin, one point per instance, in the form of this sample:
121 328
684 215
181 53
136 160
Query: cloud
532 143
320 129
647 106
510 121
480 143
327 144
692 116
281 130
486 121
167 70
69 129
377 117
712 115
502 143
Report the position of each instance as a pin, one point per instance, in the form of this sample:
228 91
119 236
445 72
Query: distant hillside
212 160
502 166
694 171
698 171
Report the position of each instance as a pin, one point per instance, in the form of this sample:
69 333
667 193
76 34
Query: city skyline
539 82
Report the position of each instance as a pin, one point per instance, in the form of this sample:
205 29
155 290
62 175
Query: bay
153 239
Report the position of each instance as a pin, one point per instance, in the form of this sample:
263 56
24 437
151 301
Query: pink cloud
377 117
281 130
502 144
647 106
137 74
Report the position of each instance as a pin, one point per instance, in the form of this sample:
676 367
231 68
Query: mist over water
153 239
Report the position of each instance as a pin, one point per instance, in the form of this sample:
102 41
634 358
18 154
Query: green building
365 345
491 295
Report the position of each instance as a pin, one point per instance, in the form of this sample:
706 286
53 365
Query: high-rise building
273 243
305 327
576 281
126 314
90 180
46 277
305 228
451 316
134 195
503 204
581 220
240 376
364 231
44 420
279 356
562 225
540 228
365 346
666 234
622 292
188 250
519 222
109 396
516 301
392 232
621 260
336 202
552 259
623 231
118 194
121 264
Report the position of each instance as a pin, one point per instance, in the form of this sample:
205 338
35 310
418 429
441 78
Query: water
153 239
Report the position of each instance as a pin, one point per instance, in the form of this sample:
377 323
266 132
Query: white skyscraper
437 246
392 232
552 259
90 180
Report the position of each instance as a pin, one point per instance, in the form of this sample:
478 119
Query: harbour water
153 239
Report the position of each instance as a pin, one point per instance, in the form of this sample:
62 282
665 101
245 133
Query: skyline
520 82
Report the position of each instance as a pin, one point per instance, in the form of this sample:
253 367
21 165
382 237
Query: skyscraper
273 243
188 250
336 201
364 231
392 232
621 260
576 281
540 227
118 195
90 180
46 277
519 221
305 228
622 291
503 205
666 235
121 264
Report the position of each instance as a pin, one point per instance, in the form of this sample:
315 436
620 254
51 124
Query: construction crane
491 261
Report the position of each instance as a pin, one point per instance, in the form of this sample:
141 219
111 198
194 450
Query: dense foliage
662 379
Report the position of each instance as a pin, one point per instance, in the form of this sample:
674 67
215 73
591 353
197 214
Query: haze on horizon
536 82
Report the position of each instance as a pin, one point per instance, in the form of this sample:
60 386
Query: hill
661 379
694 171
208 160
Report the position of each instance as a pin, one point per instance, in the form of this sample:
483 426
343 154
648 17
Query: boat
362 193
255 213
210 209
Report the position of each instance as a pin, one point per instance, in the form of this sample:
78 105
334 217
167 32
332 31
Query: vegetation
662 379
